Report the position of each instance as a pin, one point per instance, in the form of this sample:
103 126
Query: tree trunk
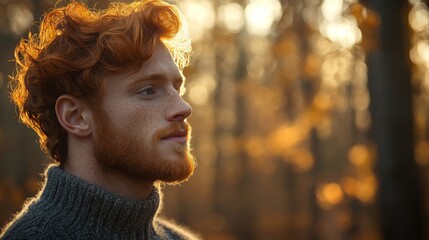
389 83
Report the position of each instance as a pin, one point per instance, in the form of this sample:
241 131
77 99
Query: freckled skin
135 114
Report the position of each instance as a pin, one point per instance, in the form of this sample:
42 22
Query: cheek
137 117
143 120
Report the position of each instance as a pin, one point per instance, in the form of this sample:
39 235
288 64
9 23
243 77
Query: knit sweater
70 208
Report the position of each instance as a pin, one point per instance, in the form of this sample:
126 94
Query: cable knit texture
71 208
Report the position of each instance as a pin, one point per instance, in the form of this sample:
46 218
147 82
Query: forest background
311 119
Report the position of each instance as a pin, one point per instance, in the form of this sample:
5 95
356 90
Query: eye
147 91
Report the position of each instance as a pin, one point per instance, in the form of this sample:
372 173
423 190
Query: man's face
141 129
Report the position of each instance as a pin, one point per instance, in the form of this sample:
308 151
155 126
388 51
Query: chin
175 180
179 168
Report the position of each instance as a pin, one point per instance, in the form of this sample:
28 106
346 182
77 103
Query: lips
176 136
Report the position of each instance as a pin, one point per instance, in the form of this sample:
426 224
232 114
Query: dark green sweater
71 208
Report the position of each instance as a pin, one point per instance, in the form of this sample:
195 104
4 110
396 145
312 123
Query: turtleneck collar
86 206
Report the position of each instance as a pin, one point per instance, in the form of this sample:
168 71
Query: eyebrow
151 76
156 76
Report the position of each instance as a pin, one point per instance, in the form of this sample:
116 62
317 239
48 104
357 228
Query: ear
73 115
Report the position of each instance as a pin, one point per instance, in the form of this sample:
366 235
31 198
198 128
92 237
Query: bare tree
389 83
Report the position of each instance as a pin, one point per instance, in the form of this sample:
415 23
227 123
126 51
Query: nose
179 109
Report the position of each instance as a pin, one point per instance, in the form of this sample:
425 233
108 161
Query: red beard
129 154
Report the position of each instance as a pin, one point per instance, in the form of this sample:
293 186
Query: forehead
160 60
160 63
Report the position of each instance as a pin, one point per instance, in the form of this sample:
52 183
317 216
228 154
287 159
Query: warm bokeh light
329 194
367 189
198 94
361 99
364 189
420 53
231 17
20 18
359 155
260 16
200 16
200 89
322 102
419 18
338 28
285 138
332 9
336 69
345 32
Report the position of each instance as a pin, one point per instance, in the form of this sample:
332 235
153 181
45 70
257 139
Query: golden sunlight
231 17
260 16
200 16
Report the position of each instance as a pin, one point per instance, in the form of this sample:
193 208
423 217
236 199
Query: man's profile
103 90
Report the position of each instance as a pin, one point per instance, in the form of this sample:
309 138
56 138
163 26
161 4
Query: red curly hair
78 47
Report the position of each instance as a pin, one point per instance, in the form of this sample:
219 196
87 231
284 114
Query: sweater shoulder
26 224
34 225
21 229
167 229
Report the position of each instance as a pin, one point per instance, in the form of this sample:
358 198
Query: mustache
173 128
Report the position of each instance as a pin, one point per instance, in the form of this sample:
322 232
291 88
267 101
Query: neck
89 169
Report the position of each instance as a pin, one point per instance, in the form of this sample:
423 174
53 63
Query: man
103 90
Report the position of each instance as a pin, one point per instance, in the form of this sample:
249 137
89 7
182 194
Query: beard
129 153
